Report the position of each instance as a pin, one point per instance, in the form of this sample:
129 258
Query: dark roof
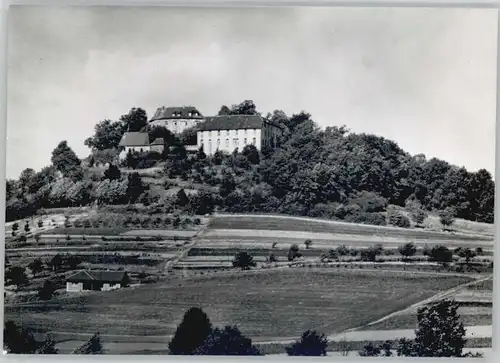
102 276
158 141
231 122
135 139
169 112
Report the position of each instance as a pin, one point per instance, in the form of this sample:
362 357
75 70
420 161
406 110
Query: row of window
190 114
235 142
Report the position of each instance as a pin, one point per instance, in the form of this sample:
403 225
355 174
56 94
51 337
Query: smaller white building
139 142
95 281
229 132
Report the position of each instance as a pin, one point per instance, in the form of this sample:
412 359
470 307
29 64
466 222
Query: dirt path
436 297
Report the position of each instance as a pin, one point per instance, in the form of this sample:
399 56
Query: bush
342 250
197 221
369 202
311 343
441 254
376 219
398 219
243 260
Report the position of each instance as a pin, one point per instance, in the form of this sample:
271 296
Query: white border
4 4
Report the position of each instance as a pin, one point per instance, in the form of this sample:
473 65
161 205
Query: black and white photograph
250 181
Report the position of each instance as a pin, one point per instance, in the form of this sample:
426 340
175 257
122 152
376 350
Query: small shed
94 281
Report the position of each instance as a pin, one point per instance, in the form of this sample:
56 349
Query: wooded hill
330 173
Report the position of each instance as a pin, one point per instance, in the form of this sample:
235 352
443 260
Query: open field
263 305
302 224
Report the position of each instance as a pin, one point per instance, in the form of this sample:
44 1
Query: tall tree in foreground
227 341
311 343
93 346
440 332
191 332
17 340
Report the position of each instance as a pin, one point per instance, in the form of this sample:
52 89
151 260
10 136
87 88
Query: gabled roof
101 276
135 139
231 122
158 141
170 112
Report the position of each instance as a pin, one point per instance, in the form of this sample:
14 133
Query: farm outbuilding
95 280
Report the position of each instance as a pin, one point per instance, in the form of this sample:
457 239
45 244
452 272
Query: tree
293 252
135 187
73 262
243 260
15 226
224 111
228 184
112 173
311 343
93 346
468 254
191 332
36 266
441 254
307 243
27 227
17 340
447 217
440 332
407 250
371 253
227 341
342 250
46 292
65 160
135 120
56 262
418 216
125 282
251 153
16 275
200 154
48 346
370 350
182 199
107 135
40 223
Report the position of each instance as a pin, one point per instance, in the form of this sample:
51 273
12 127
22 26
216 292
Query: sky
423 77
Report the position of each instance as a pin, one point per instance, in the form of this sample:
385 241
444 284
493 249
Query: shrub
243 260
68 237
197 221
342 250
407 250
311 343
447 217
441 254
398 219
376 219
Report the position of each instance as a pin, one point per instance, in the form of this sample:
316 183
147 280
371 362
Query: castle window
254 141
245 141
218 142
227 142
227 132
218 133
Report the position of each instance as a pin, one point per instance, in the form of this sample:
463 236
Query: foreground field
264 305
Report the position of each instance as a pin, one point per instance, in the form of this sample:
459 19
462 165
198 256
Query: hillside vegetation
329 173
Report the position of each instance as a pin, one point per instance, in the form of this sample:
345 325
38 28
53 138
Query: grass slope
278 304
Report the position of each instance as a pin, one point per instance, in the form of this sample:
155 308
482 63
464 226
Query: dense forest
330 173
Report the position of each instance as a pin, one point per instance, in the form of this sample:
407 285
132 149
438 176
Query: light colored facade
227 133
79 287
139 142
176 119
